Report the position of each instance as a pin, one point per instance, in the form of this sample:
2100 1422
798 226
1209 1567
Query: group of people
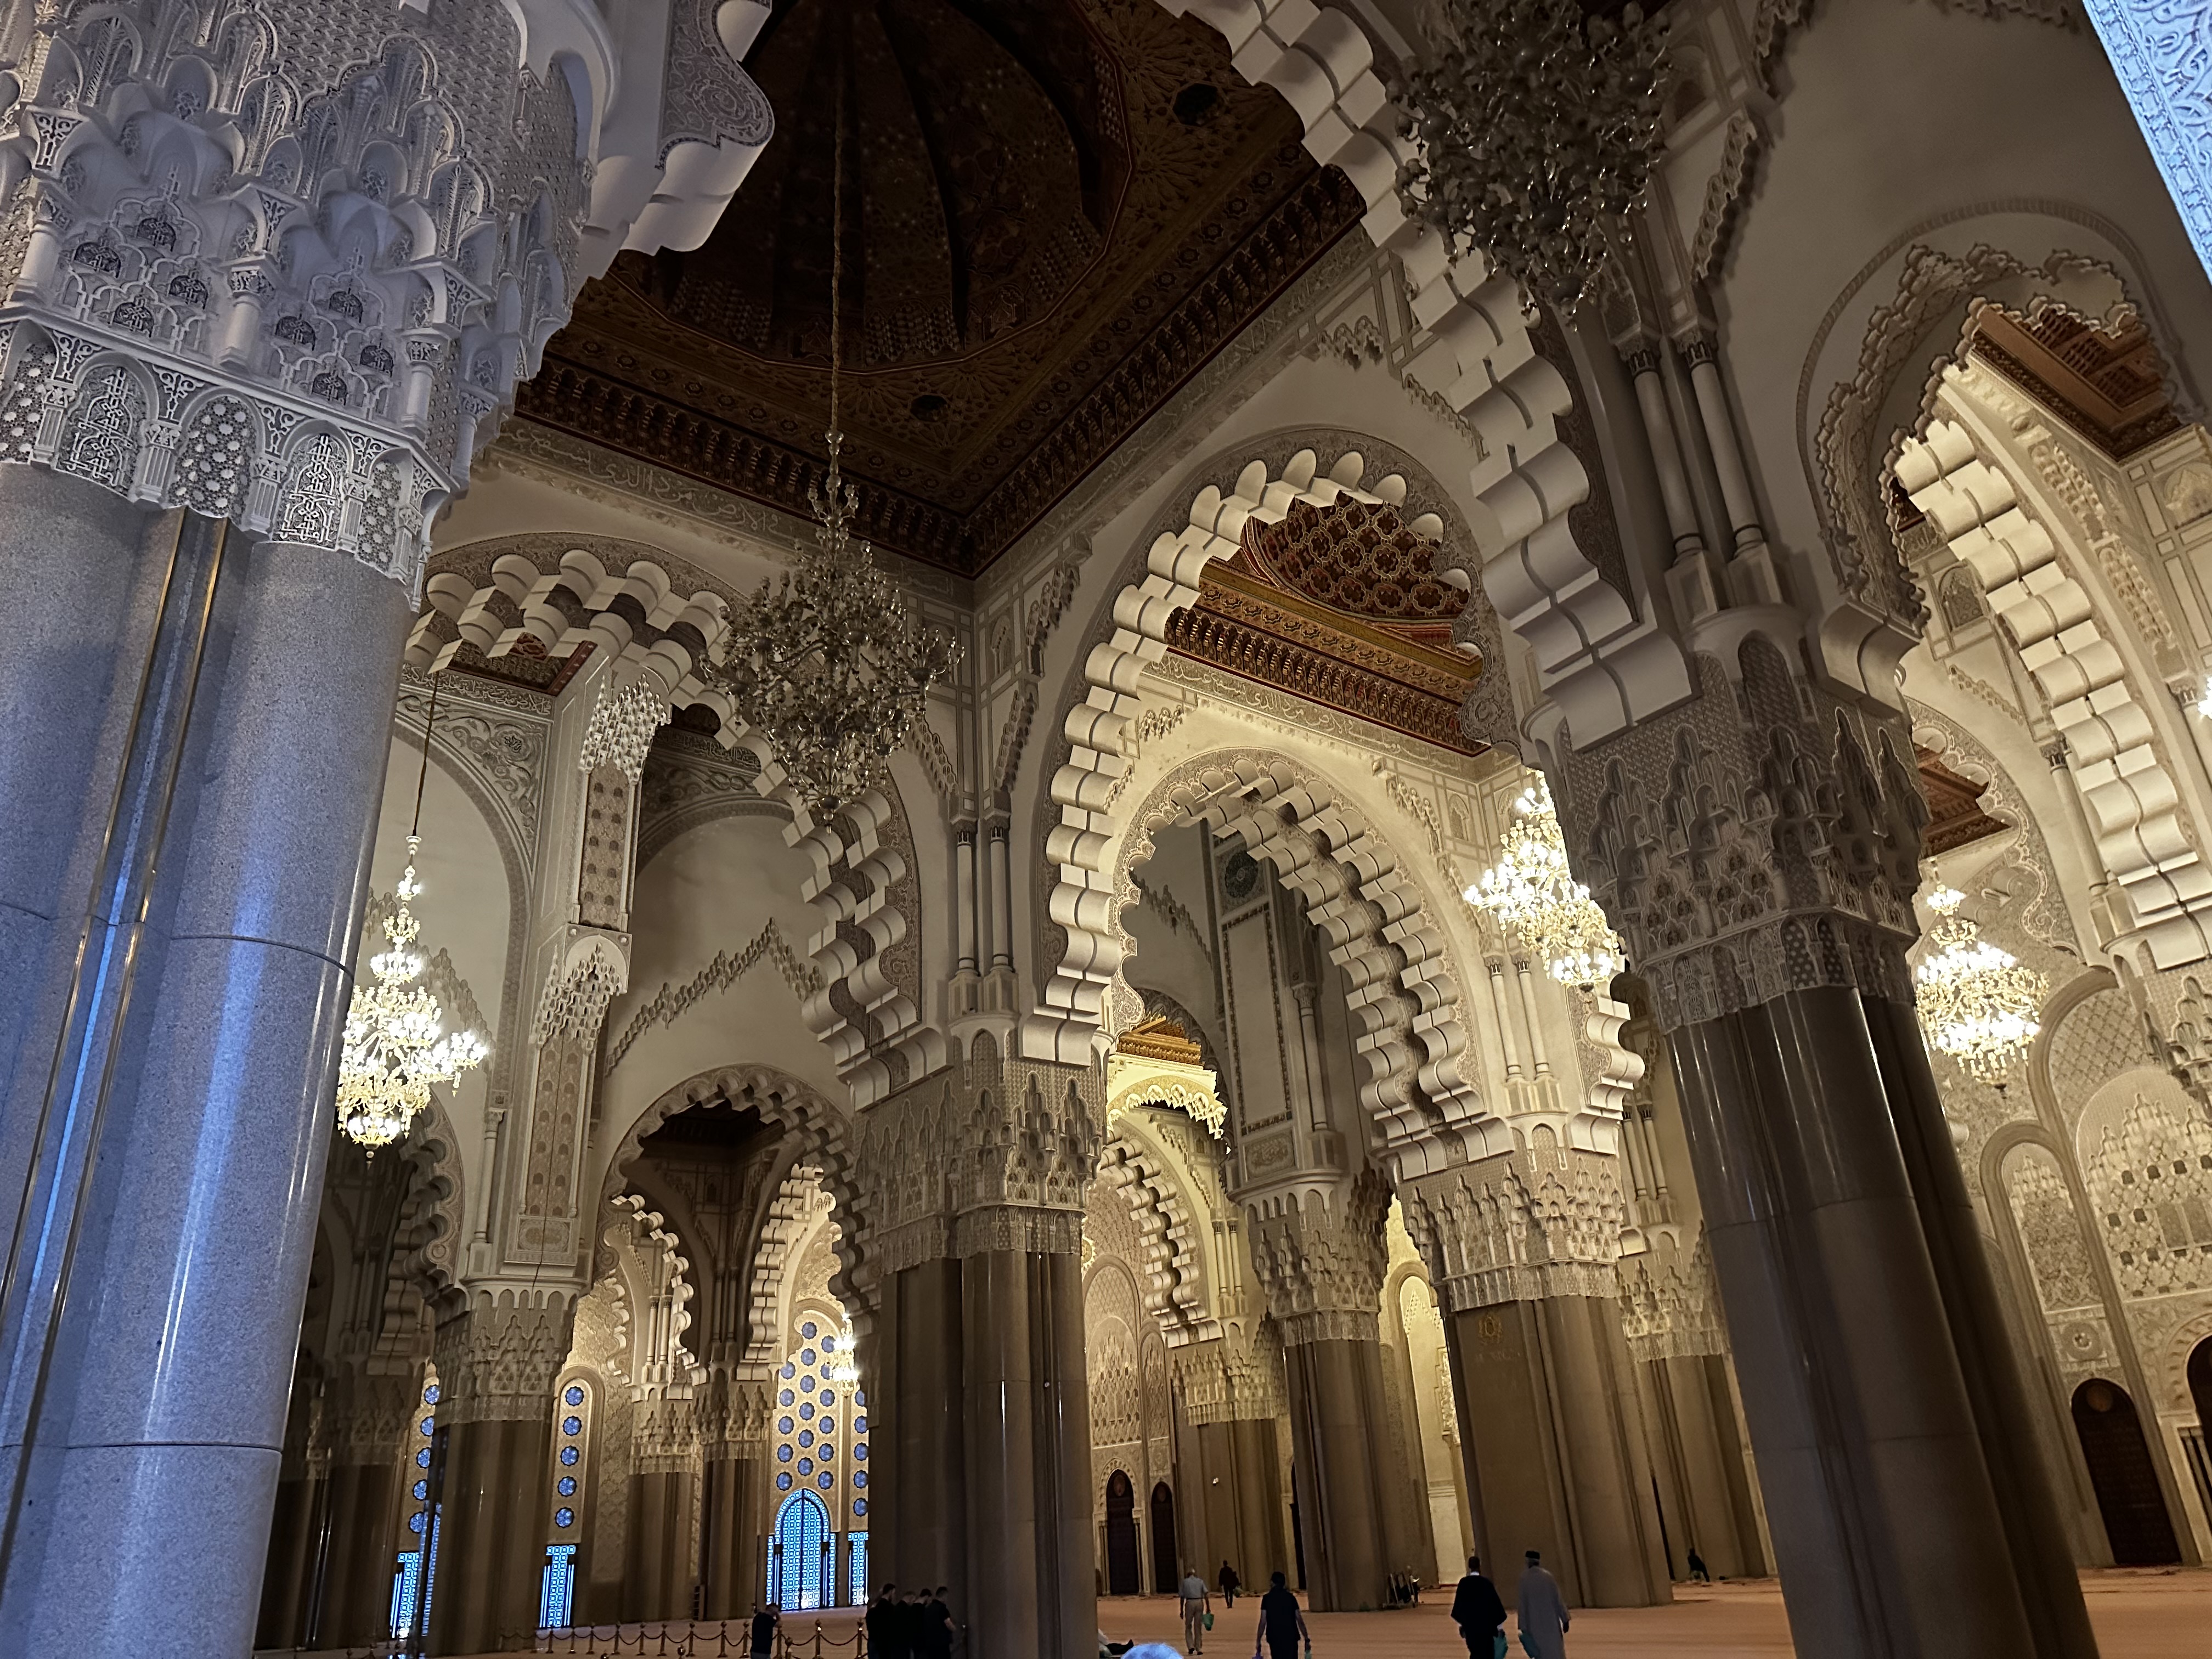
917 1624
1541 1613
1405 1589
1282 1626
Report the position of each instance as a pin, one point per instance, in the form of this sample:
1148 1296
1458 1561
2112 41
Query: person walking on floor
1543 1612
1282 1626
1230 1583
1195 1605
765 1623
1480 1615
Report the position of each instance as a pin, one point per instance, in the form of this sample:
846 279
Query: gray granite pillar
1882 1496
150 1329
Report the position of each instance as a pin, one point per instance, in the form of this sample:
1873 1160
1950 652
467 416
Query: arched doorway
1121 1536
2198 1444
1165 1577
2126 1481
798 1556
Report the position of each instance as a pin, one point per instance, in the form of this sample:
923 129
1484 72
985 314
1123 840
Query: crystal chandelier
1531 890
1977 1004
1537 130
395 1044
825 664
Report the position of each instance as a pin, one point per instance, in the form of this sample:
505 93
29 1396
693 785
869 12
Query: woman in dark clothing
1282 1626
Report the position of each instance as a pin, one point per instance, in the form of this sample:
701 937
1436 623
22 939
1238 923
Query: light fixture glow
396 1044
1531 890
1978 1003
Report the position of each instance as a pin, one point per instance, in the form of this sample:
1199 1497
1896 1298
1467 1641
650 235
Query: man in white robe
1543 1612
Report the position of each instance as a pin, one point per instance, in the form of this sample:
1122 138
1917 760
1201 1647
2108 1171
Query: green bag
1209 1621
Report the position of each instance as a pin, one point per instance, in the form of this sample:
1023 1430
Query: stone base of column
657 1574
1555 1448
733 1527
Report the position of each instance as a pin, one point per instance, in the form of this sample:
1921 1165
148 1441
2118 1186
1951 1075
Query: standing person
1195 1604
1230 1583
887 1626
1479 1613
765 1623
1543 1612
1282 1626
936 1627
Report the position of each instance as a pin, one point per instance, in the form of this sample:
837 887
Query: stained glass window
564 1517
856 1544
568 1455
571 1425
799 1559
783 1483
574 1395
566 1486
807 1440
808 1331
556 1603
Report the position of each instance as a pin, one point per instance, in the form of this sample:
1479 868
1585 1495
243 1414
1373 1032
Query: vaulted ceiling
1055 212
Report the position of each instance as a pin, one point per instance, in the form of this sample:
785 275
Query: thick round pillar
491 1534
357 1553
166 1374
1887 1529
1001 1385
1337 1427
733 1525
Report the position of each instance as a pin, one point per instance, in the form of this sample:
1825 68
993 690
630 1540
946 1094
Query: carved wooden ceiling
1955 815
1055 212
1338 605
2108 382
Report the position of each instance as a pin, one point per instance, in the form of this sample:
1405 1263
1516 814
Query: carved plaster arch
1967 472
426 1244
1173 1204
820 1129
657 616
2173 1370
1402 986
1088 785
797 1207
1593 656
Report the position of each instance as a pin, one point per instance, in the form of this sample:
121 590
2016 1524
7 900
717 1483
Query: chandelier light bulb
395 1044
1978 1003
1532 893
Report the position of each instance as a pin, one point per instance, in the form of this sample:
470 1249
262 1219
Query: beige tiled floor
2138 1615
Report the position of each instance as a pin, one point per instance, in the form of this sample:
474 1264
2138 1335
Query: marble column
664 1492
369 1423
1882 1494
202 1028
734 1521
969 1221
498 1358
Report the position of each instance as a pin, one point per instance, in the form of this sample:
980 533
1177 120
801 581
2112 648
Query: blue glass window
807 1466
783 1454
826 1479
406 1590
564 1517
828 1397
569 1456
860 1424
430 1394
566 1486
806 1411
556 1600
827 1425
571 1425
421 1490
799 1562
860 1398
783 1426
860 1507
857 1579
807 1437
807 1330
786 1397
861 1451
783 1483
427 1424
806 1357
422 1458
860 1477
829 1452
790 1370
574 1397
414 1520
806 1383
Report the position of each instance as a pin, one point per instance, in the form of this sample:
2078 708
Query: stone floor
2137 1614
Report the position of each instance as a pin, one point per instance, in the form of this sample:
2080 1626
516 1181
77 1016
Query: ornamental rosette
1537 130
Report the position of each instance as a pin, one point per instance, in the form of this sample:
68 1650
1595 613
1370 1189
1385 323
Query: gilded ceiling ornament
1531 890
1977 1004
1538 130
825 664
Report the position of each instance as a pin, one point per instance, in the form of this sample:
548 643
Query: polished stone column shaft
734 1513
1554 1447
657 1582
153 1307
1349 1482
1887 1517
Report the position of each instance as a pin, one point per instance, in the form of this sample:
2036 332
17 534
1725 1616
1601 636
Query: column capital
287 264
1764 837
1522 1226
498 1352
989 1153
1320 1254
